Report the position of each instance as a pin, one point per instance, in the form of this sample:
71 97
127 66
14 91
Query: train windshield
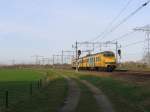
109 54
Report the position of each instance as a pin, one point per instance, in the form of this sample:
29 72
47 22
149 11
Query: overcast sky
45 27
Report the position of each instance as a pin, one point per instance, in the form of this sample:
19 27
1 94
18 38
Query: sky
46 27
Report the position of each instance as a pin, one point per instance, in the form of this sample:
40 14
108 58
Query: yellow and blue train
100 61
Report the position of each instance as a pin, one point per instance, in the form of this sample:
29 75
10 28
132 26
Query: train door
91 61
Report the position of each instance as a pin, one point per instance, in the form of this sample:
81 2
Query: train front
109 60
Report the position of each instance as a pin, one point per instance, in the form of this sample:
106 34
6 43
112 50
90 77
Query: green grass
7 75
17 82
124 97
87 102
48 99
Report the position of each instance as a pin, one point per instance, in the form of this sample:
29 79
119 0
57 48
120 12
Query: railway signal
119 52
79 53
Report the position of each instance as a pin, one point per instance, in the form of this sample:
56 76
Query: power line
123 36
112 22
134 43
128 3
126 18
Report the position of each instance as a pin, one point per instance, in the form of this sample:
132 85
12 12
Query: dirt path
102 101
73 97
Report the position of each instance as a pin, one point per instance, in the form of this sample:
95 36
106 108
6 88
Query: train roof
98 53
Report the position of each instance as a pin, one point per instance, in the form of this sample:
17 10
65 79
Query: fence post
40 82
6 99
46 78
31 89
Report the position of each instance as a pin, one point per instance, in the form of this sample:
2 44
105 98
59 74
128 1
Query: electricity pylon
37 59
146 29
63 54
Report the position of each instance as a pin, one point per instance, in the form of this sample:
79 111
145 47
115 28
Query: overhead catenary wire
134 43
123 36
114 20
125 19
124 8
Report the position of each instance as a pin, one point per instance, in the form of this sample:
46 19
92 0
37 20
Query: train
100 61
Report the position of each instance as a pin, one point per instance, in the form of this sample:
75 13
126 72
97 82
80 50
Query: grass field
7 75
125 96
18 83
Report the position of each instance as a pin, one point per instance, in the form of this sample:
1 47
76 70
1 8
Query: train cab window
109 54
